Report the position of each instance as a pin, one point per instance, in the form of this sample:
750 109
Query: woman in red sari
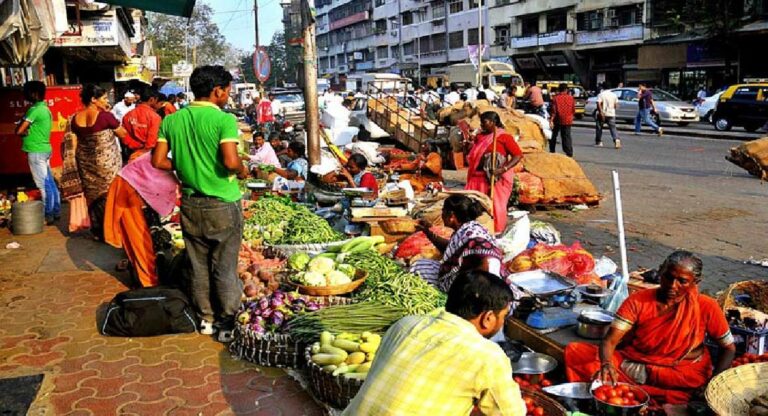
481 167
657 338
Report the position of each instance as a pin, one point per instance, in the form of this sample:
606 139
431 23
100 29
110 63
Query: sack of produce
528 189
752 156
562 179
417 246
573 262
147 312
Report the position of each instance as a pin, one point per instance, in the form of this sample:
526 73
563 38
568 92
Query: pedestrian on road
645 107
535 99
404 378
701 96
204 142
36 129
563 109
489 93
607 104
265 117
141 124
122 108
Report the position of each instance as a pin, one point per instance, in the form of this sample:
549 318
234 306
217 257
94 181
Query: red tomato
546 383
517 379
630 395
539 411
613 393
617 401
527 377
622 389
601 396
528 400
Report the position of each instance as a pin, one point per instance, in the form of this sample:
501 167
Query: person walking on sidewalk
646 106
563 109
607 104
203 140
36 129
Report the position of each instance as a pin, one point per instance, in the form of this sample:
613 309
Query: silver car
670 108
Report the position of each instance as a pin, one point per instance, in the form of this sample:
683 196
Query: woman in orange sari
481 167
426 169
657 338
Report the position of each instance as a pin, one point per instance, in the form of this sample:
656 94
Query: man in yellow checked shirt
443 363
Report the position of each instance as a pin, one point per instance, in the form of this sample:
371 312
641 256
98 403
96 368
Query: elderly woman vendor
657 338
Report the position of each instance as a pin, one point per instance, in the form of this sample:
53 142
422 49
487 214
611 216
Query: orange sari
660 342
431 172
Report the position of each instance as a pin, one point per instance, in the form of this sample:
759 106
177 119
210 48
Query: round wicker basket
275 350
360 276
551 406
337 391
729 393
399 226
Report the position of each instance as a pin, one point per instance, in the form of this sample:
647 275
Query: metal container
542 283
534 363
606 409
594 323
27 217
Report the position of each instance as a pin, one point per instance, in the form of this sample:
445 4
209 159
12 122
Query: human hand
423 225
500 171
608 374
244 173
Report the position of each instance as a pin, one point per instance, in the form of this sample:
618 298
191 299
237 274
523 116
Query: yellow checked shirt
437 364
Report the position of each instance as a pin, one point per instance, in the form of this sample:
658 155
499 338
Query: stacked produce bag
752 156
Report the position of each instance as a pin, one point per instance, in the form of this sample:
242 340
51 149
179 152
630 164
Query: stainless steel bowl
594 323
534 363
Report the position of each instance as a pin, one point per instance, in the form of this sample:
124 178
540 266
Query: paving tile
41 346
38 360
67 382
151 356
112 368
151 373
62 403
193 377
208 409
149 408
151 392
77 363
105 406
108 386
188 360
193 396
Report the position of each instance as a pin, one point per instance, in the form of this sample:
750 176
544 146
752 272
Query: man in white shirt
277 106
607 104
452 96
471 94
123 107
490 95
701 95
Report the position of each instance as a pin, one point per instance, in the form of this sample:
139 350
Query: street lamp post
479 43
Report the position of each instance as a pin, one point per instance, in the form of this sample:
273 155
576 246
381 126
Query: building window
438 10
380 26
424 45
333 62
395 52
556 22
378 3
456 40
456 6
529 25
473 4
382 52
438 42
472 37
407 18
590 20
502 35
626 16
408 48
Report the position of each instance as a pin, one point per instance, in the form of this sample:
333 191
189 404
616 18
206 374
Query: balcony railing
551 38
610 35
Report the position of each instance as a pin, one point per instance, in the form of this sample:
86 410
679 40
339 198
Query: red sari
477 180
660 342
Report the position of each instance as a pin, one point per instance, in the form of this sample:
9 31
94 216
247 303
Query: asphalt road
677 192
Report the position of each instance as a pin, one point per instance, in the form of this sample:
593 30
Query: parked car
292 102
670 109
744 105
707 108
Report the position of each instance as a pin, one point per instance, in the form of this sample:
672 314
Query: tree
285 62
175 38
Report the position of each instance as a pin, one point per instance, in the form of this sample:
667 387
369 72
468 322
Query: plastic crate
747 341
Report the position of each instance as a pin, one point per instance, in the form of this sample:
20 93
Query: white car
707 108
670 108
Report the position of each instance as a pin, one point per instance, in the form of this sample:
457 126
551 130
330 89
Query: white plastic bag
620 292
516 236
605 266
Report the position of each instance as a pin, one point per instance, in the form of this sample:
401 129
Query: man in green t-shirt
36 129
203 141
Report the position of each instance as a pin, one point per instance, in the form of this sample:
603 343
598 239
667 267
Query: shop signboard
63 101
99 31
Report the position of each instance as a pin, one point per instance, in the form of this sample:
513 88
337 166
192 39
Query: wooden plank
518 330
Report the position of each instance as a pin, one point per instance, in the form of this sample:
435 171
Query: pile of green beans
352 318
389 284
305 227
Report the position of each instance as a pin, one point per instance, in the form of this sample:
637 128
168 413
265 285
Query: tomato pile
750 358
531 409
532 381
619 395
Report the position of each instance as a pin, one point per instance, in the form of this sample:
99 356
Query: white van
383 83
496 74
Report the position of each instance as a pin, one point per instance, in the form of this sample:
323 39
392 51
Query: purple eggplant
263 303
277 319
276 302
312 306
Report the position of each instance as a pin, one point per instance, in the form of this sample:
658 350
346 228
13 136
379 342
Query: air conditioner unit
613 22
393 33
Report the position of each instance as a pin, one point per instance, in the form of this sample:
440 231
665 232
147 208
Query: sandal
123 265
226 336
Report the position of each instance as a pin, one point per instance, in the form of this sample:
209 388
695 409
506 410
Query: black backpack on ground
148 311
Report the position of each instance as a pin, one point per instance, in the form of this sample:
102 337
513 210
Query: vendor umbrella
171 88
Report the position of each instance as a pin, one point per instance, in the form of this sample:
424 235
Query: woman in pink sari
482 168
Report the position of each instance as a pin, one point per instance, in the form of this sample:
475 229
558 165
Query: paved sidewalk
50 291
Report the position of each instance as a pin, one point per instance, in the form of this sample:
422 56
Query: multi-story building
345 37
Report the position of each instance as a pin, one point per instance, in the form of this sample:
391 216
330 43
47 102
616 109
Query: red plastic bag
573 262
529 189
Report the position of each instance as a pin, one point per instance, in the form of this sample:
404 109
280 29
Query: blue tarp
171 88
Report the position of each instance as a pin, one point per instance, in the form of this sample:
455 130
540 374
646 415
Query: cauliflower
298 261
335 277
313 279
321 264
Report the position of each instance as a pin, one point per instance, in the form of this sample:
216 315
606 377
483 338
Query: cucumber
329 349
348 346
328 359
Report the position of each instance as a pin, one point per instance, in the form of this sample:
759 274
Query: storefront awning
174 7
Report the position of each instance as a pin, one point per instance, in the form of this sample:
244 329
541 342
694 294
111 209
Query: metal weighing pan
534 363
542 283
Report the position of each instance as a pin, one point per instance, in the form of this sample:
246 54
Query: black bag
147 312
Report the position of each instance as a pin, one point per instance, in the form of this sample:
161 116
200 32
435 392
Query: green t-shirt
194 135
38 138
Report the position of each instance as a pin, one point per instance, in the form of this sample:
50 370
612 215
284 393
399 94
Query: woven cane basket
275 350
729 393
551 406
337 391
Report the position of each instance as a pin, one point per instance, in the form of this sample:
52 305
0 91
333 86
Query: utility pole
312 121
256 20
479 43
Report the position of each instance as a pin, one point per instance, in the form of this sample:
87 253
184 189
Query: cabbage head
298 261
